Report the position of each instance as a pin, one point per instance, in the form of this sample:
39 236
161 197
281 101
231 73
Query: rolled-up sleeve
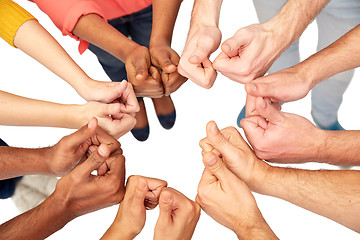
66 13
12 16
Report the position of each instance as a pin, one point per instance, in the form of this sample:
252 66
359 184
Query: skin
77 193
59 159
142 193
331 193
289 138
338 57
162 55
228 200
203 39
178 216
113 117
253 49
35 41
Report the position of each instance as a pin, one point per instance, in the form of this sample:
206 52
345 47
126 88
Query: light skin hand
248 54
81 192
165 58
110 117
228 200
145 78
141 193
110 92
194 62
235 152
178 216
283 86
281 137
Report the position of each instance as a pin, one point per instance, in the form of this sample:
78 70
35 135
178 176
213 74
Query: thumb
166 202
232 45
141 69
140 191
219 141
95 160
200 54
262 87
217 167
165 63
269 110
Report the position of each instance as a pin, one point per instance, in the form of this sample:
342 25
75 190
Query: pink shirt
66 13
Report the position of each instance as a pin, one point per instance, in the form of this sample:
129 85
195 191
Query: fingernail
92 123
168 200
253 87
211 160
102 150
227 47
214 128
263 104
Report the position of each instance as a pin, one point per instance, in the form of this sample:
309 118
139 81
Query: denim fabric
336 19
136 26
7 187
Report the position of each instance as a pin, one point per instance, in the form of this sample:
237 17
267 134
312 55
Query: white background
172 155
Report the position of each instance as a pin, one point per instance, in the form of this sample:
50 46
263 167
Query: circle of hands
230 163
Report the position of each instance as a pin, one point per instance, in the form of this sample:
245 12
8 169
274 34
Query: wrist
256 228
118 231
280 35
159 41
77 116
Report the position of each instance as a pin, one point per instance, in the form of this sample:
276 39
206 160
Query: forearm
95 30
255 230
164 17
293 19
35 41
333 194
38 223
21 111
16 162
205 13
340 56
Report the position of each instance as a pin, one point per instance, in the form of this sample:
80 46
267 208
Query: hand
110 117
249 53
178 216
228 200
194 62
145 79
108 92
284 86
281 137
71 150
141 193
235 152
80 192
166 59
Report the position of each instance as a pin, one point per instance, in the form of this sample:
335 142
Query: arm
21 111
77 193
20 29
162 56
94 29
141 193
289 138
58 159
203 39
253 49
332 194
340 56
229 201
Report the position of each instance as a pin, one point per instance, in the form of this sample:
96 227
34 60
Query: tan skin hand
166 59
71 150
146 79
